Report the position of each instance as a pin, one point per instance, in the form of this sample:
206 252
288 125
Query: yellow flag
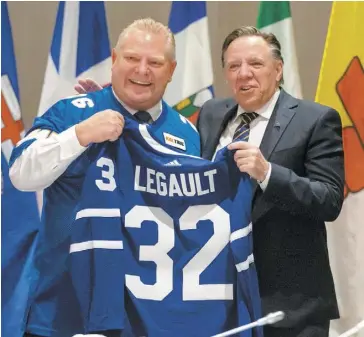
341 86
344 43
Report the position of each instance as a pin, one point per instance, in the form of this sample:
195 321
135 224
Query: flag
19 214
191 85
341 86
80 49
275 17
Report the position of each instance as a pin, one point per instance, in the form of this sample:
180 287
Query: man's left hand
249 159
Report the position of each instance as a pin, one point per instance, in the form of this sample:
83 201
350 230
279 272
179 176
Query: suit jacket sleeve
320 193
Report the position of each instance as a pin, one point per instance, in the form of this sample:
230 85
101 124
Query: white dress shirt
257 130
48 157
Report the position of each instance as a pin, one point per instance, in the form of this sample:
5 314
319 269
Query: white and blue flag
80 49
192 81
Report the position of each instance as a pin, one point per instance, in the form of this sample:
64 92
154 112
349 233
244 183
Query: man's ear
173 67
113 55
279 70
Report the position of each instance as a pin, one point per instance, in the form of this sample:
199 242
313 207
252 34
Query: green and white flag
275 17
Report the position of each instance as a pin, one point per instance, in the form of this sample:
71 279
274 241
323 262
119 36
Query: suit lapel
218 129
282 114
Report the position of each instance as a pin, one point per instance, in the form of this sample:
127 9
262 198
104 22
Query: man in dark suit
294 155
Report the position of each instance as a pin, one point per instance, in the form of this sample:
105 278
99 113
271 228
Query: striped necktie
143 117
242 131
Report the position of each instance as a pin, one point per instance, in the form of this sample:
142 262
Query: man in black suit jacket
294 156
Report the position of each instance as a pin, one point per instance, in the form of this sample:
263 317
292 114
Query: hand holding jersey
102 126
249 159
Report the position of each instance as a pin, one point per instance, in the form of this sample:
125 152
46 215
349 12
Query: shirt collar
154 111
265 111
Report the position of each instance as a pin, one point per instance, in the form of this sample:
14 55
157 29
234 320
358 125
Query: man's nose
143 67
244 71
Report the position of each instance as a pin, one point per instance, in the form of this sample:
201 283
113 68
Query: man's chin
248 104
140 102
139 96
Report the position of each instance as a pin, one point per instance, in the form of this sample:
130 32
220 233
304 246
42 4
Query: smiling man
294 154
56 153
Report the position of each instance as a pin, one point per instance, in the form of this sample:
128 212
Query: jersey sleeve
64 114
53 130
58 118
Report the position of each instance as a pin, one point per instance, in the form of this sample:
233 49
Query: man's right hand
102 126
86 86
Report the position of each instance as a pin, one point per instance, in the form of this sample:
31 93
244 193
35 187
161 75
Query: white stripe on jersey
95 244
241 233
245 265
98 212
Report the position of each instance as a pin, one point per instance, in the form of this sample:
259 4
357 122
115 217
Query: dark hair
270 38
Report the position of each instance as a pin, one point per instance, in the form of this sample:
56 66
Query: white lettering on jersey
192 288
174 186
188 185
109 183
161 185
83 102
157 253
174 141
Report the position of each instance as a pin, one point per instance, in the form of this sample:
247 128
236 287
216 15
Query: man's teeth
140 82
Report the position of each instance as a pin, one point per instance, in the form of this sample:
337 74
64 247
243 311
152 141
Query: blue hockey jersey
162 243
53 309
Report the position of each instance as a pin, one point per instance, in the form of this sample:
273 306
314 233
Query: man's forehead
249 43
140 51
249 46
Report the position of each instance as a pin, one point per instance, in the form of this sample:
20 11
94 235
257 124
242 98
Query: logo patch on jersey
174 141
173 163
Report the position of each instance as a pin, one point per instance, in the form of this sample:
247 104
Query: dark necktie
242 131
143 117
